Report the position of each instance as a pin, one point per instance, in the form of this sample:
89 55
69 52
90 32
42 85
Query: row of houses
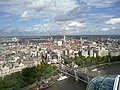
91 52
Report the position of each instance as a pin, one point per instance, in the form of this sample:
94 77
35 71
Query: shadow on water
68 84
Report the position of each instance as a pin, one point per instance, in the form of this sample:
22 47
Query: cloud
73 14
105 29
77 24
25 15
65 28
37 27
37 8
100 17
57 16
113 27
100 3
11 30
113 21
73 27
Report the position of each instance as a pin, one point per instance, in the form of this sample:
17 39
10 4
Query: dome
105 82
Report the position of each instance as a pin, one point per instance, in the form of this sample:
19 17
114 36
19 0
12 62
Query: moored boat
43 85
62 77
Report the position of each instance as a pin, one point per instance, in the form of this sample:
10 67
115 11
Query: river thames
68 84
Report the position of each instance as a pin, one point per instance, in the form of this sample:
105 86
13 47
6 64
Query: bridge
73 73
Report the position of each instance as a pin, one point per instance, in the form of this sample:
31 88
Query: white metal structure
105 82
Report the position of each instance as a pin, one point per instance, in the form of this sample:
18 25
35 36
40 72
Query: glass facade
105 82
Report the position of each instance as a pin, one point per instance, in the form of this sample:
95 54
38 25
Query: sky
59 17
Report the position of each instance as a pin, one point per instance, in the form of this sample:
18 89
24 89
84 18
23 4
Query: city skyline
63 17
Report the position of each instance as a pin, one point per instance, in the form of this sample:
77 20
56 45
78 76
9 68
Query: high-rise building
81 41
64 38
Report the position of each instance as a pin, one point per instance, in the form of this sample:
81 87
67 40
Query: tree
27 76
78 61
104 59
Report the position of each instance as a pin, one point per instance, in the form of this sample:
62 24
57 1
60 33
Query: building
85 53
64 38
60 43
114 53
102 52
37 62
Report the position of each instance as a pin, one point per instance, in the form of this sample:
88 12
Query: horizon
60 36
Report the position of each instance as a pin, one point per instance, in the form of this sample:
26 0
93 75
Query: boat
62 77
43 85
94 70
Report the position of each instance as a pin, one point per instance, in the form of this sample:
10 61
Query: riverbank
67 84
104 69
104 64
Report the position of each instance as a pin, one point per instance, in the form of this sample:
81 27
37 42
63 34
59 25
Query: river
113 69
68 84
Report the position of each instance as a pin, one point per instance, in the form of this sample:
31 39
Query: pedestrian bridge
76 75
73 73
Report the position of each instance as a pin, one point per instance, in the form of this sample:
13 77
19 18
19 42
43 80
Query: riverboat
43 85
62 77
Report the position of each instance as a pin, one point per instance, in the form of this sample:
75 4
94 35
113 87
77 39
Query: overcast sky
58 17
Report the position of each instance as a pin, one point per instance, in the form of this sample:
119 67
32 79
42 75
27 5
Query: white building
64 38
6 70
114 53
60 43
103 52
85 53
91 53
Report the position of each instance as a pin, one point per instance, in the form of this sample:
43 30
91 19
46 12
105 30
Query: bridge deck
80 77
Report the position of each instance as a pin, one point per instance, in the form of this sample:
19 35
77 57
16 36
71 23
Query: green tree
27 76
78 61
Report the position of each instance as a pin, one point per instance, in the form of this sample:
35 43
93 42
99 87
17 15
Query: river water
68 84
113 69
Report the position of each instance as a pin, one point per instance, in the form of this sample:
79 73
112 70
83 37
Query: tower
81 40
64 38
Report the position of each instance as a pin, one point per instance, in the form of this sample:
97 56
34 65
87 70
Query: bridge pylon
76 76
